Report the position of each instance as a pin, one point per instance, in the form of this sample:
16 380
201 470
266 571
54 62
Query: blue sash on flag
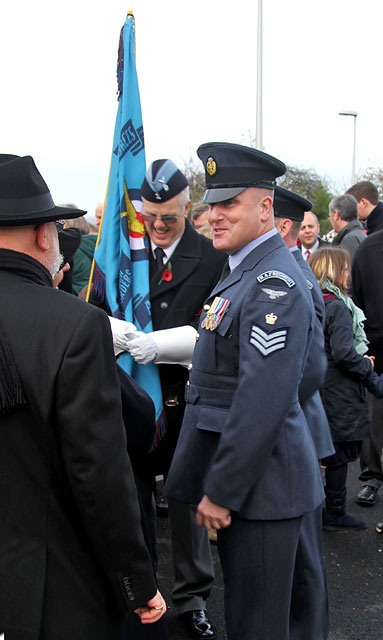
121 274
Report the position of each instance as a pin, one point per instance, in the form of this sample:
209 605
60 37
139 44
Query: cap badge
162 181
271 318
211 166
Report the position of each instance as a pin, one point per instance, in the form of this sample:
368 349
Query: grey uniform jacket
315 370
244 440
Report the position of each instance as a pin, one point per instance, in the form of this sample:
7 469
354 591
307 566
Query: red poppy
167 275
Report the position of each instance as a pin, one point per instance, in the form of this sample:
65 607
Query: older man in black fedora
73 560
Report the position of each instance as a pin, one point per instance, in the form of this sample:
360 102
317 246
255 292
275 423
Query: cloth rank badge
267 343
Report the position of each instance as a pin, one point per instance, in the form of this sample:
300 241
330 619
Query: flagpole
128 13
258 136
96 245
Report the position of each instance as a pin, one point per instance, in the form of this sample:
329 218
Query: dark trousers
258 559
370 456
193 562
309 602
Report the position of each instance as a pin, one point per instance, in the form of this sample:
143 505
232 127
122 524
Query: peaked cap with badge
24 196
288 204
163 181
232 168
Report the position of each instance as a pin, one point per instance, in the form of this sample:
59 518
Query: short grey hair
346 205
185 197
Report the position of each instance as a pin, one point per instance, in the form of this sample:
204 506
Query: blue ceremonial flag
121 272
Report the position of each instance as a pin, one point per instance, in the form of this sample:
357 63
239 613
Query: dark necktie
160 254
307 254
225 272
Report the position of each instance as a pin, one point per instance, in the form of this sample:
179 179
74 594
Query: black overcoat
344 396
367 292
72 556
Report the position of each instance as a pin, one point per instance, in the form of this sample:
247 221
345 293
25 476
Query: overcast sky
196 64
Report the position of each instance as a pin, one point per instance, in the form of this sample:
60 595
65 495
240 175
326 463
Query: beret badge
211 166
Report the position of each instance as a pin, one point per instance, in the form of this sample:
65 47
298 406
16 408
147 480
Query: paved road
354 562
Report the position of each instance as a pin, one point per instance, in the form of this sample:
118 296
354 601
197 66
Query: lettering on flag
131 139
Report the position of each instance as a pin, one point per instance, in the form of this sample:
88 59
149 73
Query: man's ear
286 227
186 210
42 237
266 208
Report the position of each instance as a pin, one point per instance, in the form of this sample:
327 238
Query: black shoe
367 496
198 624
162 509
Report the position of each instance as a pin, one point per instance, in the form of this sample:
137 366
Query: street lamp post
353 114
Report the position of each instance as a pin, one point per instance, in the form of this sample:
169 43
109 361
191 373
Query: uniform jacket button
164 305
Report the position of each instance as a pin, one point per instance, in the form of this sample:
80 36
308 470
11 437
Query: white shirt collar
168 251
241 254
312 249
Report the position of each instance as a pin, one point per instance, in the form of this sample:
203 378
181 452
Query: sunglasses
168 220
59 225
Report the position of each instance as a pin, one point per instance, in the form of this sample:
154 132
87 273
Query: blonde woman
349 371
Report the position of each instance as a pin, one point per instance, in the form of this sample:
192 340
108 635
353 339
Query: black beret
232 168
24 196
163 180
288 204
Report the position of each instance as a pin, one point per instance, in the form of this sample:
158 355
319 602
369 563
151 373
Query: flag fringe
160 431
99 283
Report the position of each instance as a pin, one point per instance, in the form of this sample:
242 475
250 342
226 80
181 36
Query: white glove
175 346
142 347
121 331
168 346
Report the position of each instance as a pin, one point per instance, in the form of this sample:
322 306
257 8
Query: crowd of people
257 307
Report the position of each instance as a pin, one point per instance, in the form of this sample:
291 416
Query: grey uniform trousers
192 559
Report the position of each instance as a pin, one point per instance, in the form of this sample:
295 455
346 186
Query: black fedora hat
288 204
24 196
232 168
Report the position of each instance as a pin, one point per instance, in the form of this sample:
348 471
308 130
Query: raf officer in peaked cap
245 454
309 606
184 267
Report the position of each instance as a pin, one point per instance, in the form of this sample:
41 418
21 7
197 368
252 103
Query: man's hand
122 331
154 610
212 516
142 347
372 360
